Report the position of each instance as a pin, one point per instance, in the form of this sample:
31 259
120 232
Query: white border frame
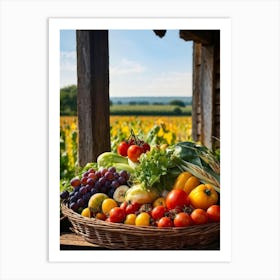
55 25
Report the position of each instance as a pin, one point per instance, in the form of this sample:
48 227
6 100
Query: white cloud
172 83
174 80
162 84
126 67
68 68
131 78
68 61
68 55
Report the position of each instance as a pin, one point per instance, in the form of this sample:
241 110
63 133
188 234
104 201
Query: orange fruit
107 205
130 219
159 202
143 219
86 212
101 216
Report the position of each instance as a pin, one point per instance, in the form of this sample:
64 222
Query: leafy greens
160 167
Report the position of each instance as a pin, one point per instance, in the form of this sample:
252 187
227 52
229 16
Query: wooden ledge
72 241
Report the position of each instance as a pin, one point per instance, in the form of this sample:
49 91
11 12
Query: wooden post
216 128
206 85
93 94
196 110
204 92
207 94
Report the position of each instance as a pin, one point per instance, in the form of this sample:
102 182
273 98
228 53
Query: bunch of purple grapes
101 181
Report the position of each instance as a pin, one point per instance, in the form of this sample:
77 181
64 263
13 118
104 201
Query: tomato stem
133 137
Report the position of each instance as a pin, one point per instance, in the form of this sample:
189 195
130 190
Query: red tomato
177 199
122 148
132 208
165 222
214 213
199 216
158 212
124 205
117 215
182 219
136 205
134 152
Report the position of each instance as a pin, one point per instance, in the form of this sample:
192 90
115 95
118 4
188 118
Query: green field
160 107
149 110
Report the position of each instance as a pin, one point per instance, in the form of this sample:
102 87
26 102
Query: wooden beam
216 105
196 112
93 94
207 94
160 33
205 37
206 90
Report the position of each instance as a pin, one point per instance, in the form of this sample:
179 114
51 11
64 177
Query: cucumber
119 194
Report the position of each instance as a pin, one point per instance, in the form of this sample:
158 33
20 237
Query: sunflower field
154 129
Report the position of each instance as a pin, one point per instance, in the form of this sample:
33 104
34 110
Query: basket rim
135 230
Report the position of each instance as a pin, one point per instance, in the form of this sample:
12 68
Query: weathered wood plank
196 110
71 241
217 70
74 239
217 110
207 97
199 130
216 122
160 33
205 37
206 92
217 96
93 94
217 81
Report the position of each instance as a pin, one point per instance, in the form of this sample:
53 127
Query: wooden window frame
93 90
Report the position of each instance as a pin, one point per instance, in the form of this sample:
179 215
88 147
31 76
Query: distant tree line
179 103
68 102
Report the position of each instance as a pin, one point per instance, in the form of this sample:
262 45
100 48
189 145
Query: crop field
152 110
159 129
171 129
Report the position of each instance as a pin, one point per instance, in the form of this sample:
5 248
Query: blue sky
141 63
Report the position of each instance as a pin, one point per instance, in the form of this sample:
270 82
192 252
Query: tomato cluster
133 148
173 211
130 208
178 211
162 217
168 218
175 208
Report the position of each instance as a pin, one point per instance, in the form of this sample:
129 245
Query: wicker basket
122 236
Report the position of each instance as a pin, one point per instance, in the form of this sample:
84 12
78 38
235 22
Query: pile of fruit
149 186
